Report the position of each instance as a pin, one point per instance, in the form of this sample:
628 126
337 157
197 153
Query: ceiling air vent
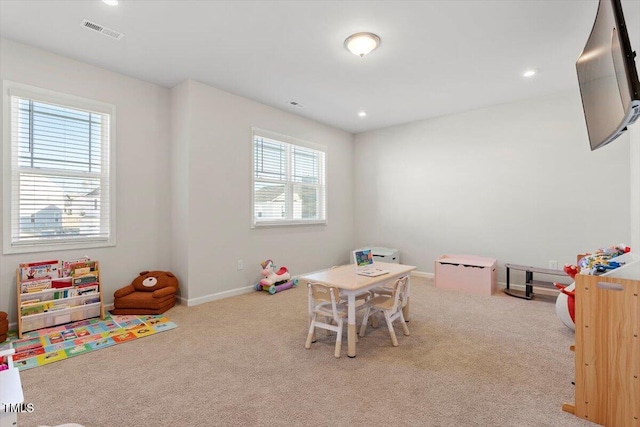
102 30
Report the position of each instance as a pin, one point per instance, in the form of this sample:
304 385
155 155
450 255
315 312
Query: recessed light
111 2
529 73
362 114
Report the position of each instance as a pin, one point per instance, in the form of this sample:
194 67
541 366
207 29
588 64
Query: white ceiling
436 57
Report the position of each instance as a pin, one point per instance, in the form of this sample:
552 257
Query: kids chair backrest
10 389
323 301
390 305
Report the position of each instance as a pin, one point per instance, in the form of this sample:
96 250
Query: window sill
263 224
57 246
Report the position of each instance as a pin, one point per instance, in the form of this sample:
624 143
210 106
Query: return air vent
102 30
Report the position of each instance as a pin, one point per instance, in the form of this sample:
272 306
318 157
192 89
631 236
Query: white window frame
323 172
9 89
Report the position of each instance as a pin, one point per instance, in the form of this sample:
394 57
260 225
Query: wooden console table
530 281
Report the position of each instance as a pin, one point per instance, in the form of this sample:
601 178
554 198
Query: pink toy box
469 273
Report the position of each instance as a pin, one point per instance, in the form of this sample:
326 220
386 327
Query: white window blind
60 173
288 181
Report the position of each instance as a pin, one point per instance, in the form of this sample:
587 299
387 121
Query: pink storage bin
468 273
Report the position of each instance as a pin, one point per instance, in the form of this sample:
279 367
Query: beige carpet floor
470 361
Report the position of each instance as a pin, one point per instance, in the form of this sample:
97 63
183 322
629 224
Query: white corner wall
516 182
179 149
213 227
634 137
142 163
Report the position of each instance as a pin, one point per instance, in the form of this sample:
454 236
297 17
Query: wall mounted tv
607 77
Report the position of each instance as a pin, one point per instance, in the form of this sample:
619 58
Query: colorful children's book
35 285
82 268
39 269
66 265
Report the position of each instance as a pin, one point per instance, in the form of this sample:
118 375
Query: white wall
217 130
516 182
143 210
179 149
634 137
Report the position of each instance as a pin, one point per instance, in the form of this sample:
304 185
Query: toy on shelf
274 281
601 261
591 264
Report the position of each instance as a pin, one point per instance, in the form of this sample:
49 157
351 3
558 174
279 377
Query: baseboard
422 274
248 289
213 297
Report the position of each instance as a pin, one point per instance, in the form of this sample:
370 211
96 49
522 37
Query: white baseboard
422 274
248 289
213 297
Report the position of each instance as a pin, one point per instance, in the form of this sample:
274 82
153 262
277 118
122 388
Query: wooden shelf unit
78 307
607 351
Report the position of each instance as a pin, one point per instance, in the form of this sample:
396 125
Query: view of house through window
59 174
288 181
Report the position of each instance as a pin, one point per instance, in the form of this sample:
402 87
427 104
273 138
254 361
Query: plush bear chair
152 292
4 326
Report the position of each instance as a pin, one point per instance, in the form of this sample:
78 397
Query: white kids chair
389 303
10 390
324 301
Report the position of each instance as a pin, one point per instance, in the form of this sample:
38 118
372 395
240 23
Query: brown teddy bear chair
152 292
4 326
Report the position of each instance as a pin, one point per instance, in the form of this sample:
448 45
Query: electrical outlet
240 265
553 264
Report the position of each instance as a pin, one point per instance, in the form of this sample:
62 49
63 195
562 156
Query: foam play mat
44 346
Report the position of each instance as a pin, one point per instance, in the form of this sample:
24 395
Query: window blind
288 181
59 173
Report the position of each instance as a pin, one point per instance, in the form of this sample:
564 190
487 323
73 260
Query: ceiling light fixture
362 43
111 2
362 114
529 73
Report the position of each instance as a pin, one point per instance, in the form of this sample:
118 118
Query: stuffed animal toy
152 292
566 301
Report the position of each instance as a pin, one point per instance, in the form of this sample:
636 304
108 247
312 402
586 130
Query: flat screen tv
607 77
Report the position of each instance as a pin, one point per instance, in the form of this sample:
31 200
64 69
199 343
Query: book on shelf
80 268
86 279
39 269
29 309
91 300
55 306
66 265
35 285
63 282
89 289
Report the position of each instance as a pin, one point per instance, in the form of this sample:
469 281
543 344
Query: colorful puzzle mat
44 346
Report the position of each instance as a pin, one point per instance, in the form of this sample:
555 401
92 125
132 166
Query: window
288 181
57 172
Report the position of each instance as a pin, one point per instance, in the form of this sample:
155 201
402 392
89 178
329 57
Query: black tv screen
607 77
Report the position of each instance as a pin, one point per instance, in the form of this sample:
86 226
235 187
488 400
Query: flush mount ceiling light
111 2
529 73
362 43
362 114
